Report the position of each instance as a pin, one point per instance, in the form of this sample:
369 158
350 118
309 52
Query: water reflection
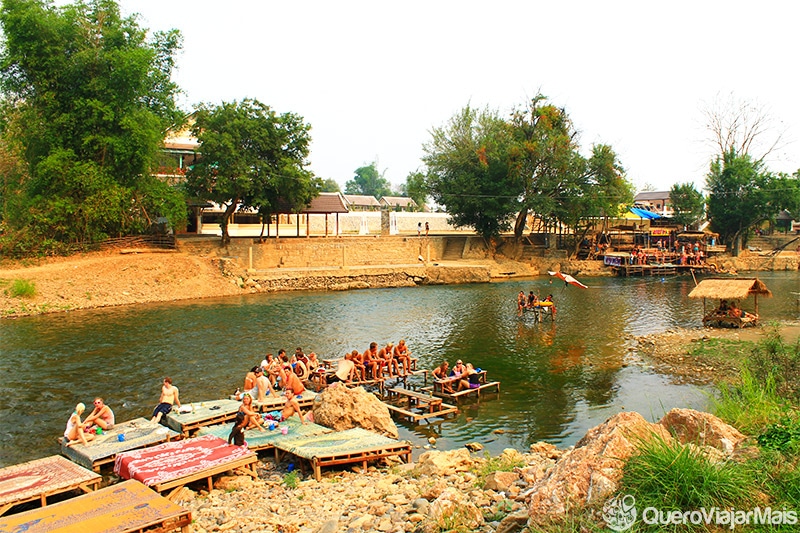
558 378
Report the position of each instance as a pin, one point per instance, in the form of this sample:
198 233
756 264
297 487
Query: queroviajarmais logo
619 512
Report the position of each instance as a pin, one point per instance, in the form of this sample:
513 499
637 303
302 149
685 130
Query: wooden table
438 386
432 406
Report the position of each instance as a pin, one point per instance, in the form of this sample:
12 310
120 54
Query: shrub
21 288
291 480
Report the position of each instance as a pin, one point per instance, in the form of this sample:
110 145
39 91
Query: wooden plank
203 414
245 464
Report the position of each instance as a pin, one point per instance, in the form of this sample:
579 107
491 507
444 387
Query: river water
558 379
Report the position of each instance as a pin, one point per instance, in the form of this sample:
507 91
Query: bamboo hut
729 291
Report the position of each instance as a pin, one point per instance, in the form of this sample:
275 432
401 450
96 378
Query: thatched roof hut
730 289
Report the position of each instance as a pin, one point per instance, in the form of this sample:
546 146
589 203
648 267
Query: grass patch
672 476
291 480
21 288
502 463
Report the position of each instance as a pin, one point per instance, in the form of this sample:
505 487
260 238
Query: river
558 379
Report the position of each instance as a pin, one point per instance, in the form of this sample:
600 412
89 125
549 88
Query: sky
373 78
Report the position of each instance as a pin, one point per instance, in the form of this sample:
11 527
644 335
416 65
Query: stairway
454 248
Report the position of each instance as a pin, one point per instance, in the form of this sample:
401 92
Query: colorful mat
203 414
262 440
47 476
136 433
178 459
125 507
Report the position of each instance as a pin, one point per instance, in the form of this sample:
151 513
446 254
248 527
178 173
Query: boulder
590 472
500 481
339 408
453 510
436 463
702 429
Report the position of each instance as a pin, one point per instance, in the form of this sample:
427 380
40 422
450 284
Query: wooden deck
438 387
36 480
202 414
714 319
127 507
137 433
425 405
273 403
269 438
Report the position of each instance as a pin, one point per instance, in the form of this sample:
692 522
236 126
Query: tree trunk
226 238
519 225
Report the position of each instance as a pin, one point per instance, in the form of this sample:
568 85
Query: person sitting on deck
552 304
250 386
237 431
403 355
472 380
254 420
386 357
371 361
168 398
101 416
361 368
74 432
458 369
291 407
440 374
345 370
290 381
262 385
532 300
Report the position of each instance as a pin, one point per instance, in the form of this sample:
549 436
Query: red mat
178 459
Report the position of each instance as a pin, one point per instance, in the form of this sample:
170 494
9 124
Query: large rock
702 429
591 471
340 408
453 510
436 463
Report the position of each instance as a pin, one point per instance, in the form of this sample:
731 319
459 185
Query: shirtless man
370 360
102 416
168 398
361 368
291 407
262 385
290 381
403 355
386 358
520 303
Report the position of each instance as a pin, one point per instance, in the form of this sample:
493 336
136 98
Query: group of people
461 375
373 364
732 309
279 373
532 301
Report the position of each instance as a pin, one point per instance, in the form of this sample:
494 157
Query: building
361 202
398 203
655 201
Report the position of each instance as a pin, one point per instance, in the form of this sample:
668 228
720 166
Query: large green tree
688 204
416 188
368 181
89 96
742 193
468 164
252 157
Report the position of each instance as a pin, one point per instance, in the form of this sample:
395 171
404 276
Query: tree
90 97
742 127
368 181
468 165
416 188
251 157
330 185
688 204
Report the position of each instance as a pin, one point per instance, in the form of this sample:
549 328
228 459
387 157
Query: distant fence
137 241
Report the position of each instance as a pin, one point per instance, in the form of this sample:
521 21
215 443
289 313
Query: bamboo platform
138 433
203 414
426 405
351 446
273 403
268 439
174 464
127 507
36 480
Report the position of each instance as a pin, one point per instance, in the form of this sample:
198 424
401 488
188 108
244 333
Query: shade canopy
730 289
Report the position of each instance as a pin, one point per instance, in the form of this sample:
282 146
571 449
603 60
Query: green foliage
774 360
368 181
502 463
783 435
687 203
87 98
416 188
291 479
672 476
21 288
330 185
252 158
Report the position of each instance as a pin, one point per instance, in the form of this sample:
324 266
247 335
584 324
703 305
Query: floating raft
123 508
350 446
138 433
174 464
270 438
36 480
203 414
425 405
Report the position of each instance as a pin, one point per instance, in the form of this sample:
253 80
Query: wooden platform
138 433
273 403
174 464
351 446
437 389
36 480
426 405
126 507
203 414
713 319
267 439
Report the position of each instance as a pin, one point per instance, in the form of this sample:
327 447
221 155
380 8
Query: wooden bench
431 406
438 387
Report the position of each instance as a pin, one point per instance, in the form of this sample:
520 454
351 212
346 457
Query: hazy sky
372 78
